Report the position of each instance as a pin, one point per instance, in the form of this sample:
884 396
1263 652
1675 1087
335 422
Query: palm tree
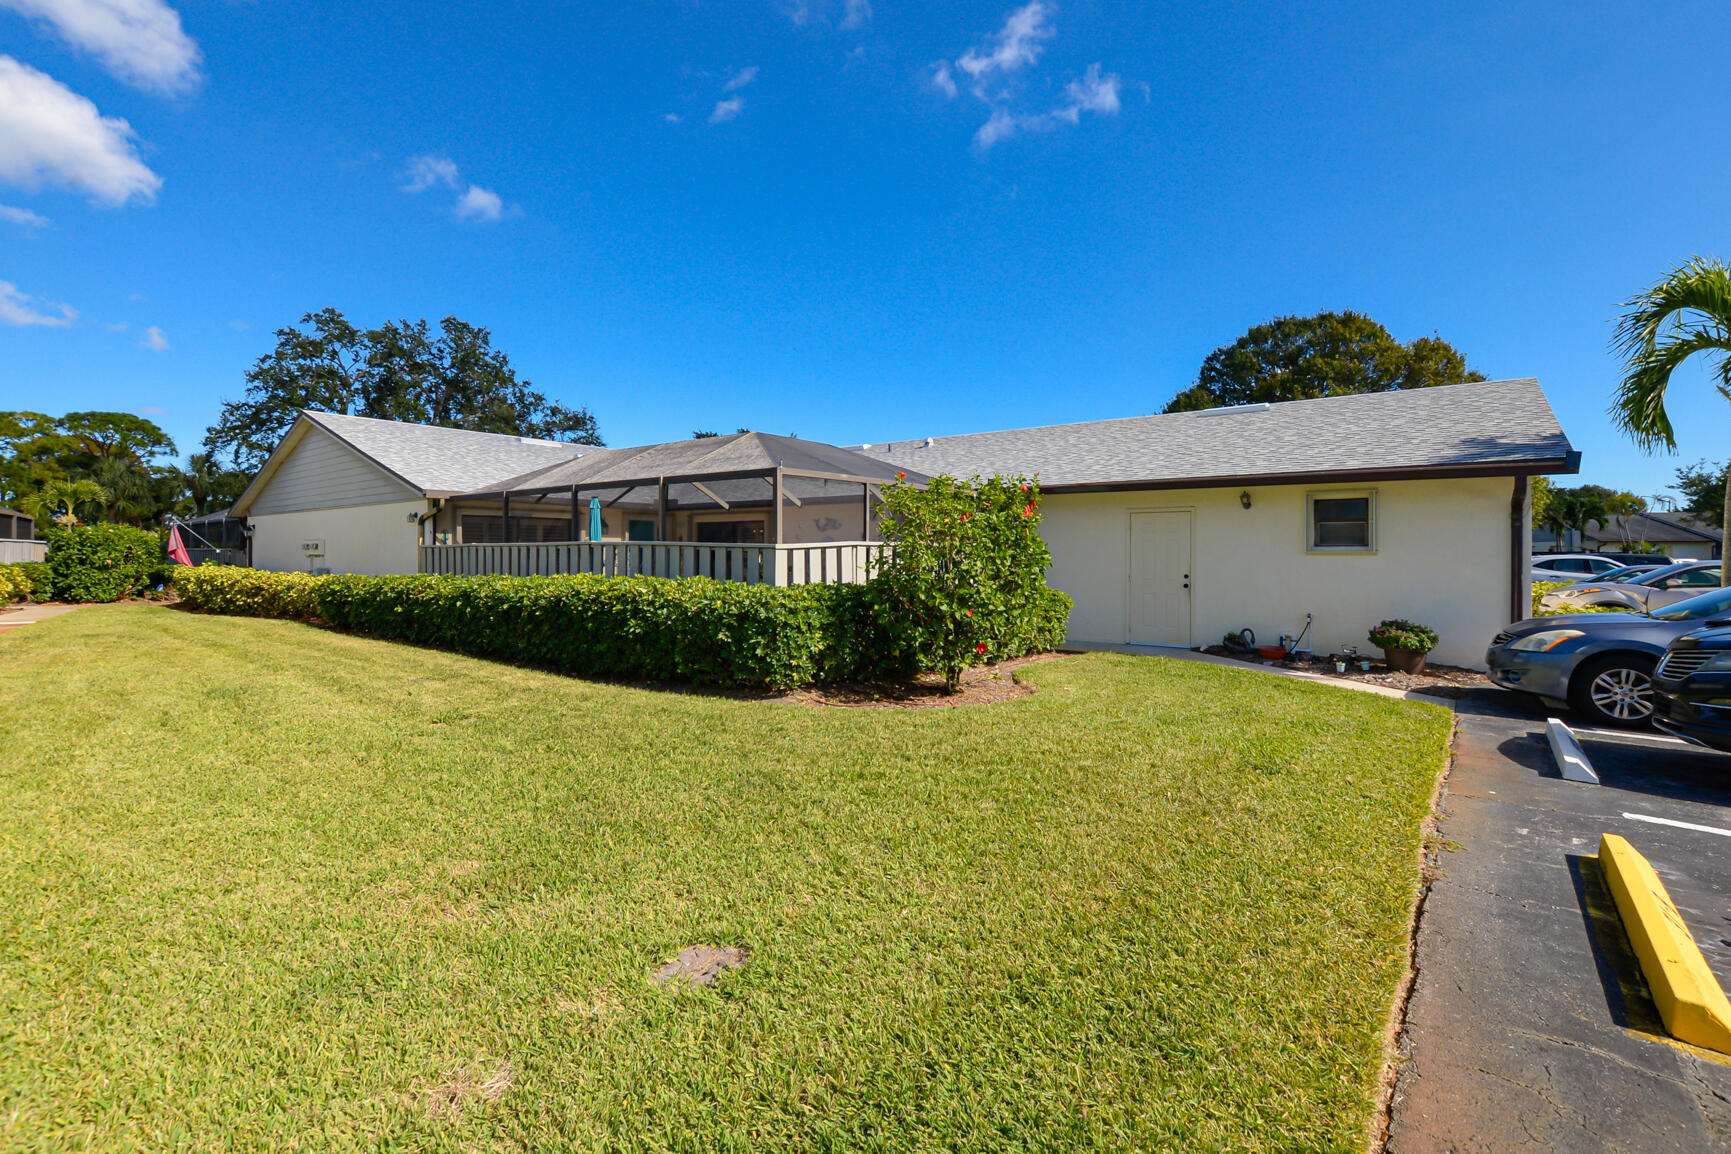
1687 312
202 475
127 486
57 501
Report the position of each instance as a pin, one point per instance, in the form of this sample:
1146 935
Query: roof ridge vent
928 442
1223 410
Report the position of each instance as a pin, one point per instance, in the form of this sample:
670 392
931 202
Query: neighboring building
1673 534
1167 530
348 494
19 540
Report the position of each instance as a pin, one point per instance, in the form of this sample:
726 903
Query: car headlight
1546 641
1719 661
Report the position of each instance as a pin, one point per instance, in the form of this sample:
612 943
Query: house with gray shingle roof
1167 530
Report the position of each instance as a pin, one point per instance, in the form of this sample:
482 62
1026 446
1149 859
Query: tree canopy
1701 487
98 466
1329 354
400 371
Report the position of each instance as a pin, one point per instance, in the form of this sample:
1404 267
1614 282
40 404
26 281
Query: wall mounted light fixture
1244 498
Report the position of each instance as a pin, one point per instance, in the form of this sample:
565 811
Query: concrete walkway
1529 1027
1176 654
31 614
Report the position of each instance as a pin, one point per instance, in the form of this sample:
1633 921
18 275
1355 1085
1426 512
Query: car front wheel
1615 690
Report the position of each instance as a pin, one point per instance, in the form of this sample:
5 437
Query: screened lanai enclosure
749 507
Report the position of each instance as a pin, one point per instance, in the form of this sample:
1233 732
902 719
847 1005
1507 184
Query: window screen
1340 523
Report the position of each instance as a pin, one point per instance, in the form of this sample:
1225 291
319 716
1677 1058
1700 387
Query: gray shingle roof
738 452
1489 425
1654 527
440 462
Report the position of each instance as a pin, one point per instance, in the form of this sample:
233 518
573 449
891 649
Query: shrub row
692 629
15 584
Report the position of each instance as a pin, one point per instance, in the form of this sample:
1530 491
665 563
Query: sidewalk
1176 654
30 615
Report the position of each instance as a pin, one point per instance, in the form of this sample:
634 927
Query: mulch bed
1439 680
982 685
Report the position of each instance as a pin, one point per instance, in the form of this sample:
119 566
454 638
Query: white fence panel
830 563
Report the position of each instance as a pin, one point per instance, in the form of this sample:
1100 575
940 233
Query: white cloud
23 217
671 117
726 110
740 79
139 41
22 309
116 327
426 171
1018 43
856 13
154 340
49 133
1001 126
481 204
1092 93
943 80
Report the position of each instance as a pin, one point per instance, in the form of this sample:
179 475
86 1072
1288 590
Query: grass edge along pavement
264 884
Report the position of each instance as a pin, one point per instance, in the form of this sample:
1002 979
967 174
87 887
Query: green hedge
103 562
692 629
38 581
242 592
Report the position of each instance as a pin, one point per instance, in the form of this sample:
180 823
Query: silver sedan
1644 594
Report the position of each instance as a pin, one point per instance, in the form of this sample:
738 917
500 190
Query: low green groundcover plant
103 562
1540 588
271 887
1399 633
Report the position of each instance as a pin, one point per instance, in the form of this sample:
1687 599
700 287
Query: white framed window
1340 521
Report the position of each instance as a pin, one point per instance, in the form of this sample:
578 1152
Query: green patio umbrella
595 518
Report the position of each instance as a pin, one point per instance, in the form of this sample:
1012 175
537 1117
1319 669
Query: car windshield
1626 573
1714 604
1659 575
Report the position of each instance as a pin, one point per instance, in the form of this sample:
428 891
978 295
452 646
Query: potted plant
1404 643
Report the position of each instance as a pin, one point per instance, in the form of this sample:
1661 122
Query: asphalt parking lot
1530 1027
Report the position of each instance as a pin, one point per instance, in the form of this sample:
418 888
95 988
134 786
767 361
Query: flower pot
1405 660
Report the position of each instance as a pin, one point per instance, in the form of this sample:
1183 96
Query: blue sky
851 221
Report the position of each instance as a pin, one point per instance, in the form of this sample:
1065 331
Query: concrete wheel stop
1571 759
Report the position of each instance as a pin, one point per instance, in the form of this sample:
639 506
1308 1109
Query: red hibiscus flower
980 648
967 613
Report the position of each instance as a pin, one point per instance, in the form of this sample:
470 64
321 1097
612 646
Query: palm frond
1686 313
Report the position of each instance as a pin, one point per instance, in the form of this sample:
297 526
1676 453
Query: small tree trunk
1725 534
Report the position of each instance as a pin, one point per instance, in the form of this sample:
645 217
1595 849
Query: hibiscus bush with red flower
966 580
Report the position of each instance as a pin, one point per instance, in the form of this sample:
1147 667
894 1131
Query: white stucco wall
1442 559
370 539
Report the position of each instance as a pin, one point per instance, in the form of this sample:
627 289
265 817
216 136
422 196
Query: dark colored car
1692 687
1600 663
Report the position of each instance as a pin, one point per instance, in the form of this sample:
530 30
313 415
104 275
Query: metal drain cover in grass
701 965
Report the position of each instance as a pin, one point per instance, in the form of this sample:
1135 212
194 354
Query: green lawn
263 885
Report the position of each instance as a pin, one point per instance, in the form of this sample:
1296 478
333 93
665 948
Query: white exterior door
1160 578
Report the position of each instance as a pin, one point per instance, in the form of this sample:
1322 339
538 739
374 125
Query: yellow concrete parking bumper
1691 1003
